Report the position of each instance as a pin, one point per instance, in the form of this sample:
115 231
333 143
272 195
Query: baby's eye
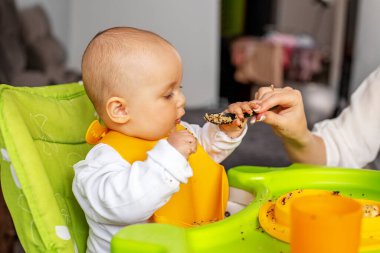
169 96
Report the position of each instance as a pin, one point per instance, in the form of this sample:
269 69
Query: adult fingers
263 90
260 94
286 98
273 119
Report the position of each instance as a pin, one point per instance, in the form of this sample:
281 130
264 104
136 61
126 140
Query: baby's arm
214 141
219 141
288 121
116 192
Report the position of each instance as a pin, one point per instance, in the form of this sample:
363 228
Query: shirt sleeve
112 191
215 142
352 139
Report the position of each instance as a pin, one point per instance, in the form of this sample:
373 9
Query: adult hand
288 118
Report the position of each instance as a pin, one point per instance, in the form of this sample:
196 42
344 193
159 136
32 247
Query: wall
192 26
367 44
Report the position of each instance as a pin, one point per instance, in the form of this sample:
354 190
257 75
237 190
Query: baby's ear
116 108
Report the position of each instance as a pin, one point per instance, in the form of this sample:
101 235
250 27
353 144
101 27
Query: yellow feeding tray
274 217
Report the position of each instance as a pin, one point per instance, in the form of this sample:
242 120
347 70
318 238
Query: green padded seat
42 136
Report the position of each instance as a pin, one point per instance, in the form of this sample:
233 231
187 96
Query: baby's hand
234 129
184 142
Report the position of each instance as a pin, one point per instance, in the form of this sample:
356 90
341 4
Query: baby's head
133 78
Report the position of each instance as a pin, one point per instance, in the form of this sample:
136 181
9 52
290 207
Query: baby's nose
181 101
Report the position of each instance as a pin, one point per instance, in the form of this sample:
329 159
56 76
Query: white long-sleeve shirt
353 138
114 193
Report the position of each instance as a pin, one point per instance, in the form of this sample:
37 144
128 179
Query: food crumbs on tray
370 211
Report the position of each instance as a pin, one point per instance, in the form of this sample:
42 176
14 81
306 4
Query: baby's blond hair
101 62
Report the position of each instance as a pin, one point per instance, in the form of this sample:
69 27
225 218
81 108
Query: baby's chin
173 129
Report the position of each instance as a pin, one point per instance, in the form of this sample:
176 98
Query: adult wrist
302 142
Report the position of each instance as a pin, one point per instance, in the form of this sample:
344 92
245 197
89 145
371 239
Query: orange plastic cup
325 224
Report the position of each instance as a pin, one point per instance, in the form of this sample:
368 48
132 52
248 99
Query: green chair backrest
42 136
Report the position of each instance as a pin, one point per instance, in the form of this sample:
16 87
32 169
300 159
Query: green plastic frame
241 232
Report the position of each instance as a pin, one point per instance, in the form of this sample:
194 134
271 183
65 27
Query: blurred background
230 48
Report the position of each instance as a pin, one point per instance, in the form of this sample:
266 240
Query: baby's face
157 103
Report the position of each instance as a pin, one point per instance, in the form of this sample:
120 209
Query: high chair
42 136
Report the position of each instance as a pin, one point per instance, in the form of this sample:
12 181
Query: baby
147 164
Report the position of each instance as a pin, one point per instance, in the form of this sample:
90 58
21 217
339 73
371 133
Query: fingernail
257 109
252 121
262 118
